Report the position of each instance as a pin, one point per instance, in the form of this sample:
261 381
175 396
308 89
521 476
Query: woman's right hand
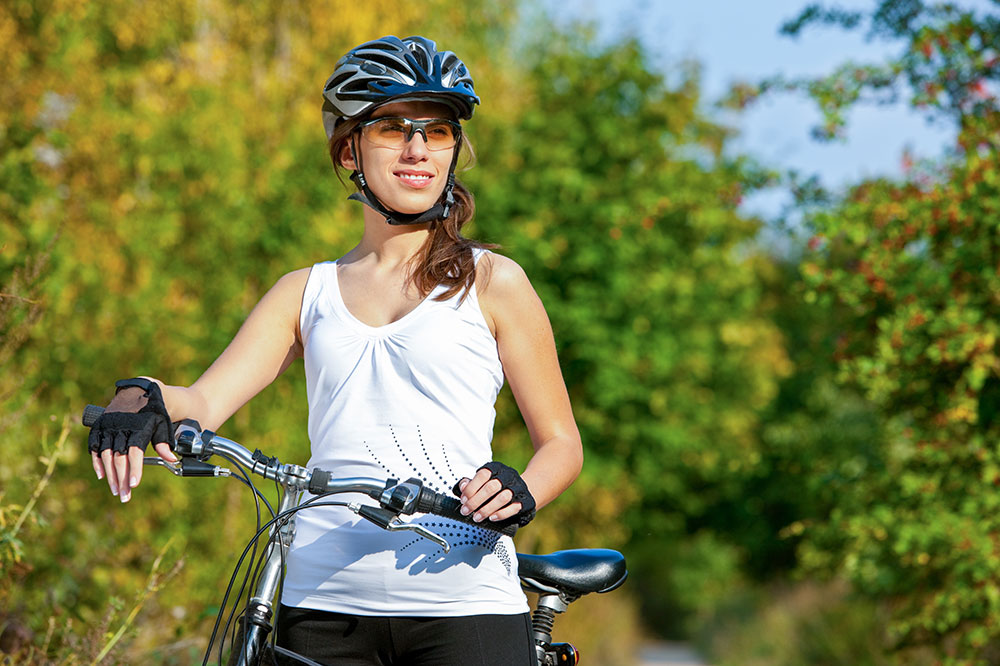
118 439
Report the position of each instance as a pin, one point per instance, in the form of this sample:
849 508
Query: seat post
544 616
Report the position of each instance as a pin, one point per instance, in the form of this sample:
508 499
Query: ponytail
446 257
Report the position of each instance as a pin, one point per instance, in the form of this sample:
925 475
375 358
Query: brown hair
446 256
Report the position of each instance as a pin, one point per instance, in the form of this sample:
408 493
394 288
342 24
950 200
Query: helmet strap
438 211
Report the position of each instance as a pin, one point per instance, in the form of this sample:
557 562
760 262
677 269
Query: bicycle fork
256 625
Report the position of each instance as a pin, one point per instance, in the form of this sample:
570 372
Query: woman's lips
415 179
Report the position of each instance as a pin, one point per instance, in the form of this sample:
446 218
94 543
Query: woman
406 341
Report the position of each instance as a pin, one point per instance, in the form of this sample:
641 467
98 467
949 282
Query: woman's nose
416 147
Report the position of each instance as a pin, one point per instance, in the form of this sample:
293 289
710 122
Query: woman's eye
392 127
439 130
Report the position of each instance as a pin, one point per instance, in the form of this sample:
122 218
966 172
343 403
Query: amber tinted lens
388 132
440 135
397 132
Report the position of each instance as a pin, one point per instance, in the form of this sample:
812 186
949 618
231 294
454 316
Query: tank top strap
314 300
472 297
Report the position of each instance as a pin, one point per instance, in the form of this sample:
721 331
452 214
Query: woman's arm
527 349
264 347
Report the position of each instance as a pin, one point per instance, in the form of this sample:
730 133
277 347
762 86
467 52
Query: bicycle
558 578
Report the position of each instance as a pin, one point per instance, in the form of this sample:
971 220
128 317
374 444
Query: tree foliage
909 272
623 210
947 65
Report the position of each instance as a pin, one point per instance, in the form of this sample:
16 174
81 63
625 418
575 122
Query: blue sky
738 40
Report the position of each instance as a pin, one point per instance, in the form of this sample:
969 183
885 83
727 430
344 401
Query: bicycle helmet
390 69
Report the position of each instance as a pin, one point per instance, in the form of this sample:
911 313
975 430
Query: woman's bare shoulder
285 297
505 292
296 276
292 282
499 276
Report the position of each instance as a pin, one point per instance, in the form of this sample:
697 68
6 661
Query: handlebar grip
90 414
440 504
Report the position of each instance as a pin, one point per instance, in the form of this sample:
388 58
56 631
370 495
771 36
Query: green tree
161 164
908 270
623 209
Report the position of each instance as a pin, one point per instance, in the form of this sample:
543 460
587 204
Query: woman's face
410 179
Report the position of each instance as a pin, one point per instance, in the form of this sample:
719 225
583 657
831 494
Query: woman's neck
390 245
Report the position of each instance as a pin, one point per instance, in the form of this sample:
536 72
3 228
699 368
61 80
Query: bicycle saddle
576 572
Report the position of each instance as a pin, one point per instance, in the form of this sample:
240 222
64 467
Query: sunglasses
392 132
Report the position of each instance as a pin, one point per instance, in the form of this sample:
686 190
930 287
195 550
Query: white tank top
413 398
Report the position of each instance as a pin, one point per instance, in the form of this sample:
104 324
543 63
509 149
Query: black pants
359 640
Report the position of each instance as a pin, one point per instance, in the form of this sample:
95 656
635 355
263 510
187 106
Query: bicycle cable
253 580
243 585
281 591
249 581
251 544
245 479
279 522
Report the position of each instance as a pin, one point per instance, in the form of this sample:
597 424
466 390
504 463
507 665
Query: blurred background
780 337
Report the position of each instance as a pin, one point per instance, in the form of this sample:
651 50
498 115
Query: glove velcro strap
132 422
145 384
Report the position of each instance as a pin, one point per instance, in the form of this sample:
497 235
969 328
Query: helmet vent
375 68
389 68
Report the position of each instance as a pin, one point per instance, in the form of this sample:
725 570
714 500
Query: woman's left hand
498 493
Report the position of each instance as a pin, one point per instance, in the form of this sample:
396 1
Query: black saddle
574 572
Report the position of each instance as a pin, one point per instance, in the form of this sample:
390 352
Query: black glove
509 480
136 417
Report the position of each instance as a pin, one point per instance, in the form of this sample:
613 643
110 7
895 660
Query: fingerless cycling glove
510 480
133 418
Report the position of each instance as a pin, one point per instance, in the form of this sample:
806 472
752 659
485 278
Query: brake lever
174 467
192 468
389 521
396 525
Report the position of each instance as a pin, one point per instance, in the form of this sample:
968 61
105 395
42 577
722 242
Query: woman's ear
346 157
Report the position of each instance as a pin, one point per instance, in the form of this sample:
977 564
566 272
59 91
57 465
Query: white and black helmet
391 69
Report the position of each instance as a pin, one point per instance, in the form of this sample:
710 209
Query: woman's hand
119 468
135 417
497 492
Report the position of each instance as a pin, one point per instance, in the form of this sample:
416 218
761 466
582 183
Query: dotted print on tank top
444 454
376 459
457 534
440 485
399 448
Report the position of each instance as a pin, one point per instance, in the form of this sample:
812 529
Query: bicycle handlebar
195 446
